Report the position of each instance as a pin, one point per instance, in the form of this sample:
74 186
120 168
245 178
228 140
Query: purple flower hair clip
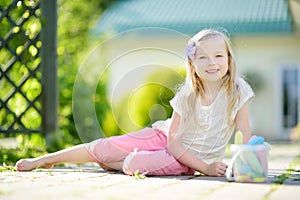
190 49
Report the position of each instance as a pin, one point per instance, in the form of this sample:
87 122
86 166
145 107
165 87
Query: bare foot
31 164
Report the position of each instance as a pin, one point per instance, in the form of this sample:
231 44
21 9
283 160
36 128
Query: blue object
256 140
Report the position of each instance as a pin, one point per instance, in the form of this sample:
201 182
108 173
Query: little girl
209 106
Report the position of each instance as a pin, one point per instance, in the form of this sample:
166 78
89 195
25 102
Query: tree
149 102
75 19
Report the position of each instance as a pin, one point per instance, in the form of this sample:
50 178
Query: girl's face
211 60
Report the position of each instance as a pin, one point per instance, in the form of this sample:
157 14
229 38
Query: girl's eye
219 56
202 57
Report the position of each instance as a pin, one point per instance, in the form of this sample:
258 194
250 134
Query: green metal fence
28 82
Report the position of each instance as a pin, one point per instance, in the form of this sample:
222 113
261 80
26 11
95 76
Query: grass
282 178
28 146
138 175
7 168
291 172
271 191
294 169
296 161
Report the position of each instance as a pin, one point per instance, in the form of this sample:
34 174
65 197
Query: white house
265 36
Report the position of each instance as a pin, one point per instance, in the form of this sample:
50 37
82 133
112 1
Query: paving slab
89 181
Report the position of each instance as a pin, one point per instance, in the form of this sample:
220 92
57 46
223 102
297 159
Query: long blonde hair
197 85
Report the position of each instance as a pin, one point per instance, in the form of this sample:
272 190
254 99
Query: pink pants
144 151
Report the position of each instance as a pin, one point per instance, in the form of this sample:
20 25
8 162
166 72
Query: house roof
189 16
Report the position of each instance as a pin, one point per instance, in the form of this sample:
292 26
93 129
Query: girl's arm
242 122
185 157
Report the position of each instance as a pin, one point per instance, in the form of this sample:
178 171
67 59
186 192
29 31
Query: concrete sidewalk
91 182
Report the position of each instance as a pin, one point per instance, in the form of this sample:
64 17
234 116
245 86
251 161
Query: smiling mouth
212 71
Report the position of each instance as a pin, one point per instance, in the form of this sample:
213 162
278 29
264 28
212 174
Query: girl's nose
211 61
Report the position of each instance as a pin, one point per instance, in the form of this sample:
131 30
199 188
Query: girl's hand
216 169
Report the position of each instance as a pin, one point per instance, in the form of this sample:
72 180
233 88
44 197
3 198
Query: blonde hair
197 84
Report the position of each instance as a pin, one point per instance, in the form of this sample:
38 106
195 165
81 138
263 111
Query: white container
249 163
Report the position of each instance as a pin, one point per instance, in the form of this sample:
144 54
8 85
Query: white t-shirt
207 139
